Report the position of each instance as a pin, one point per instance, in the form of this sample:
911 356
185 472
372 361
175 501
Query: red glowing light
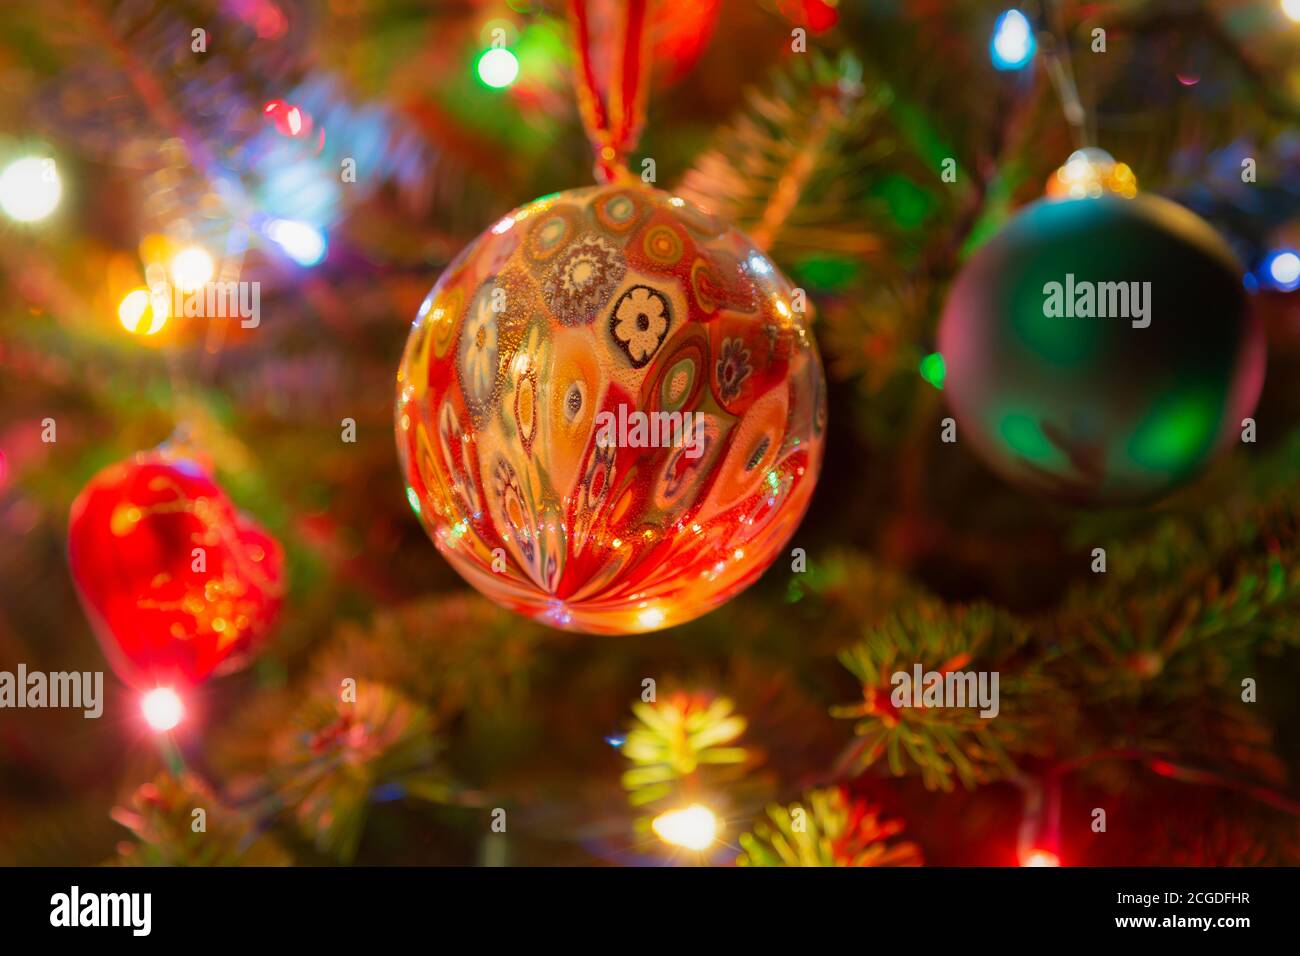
1039 857
266 19
289 119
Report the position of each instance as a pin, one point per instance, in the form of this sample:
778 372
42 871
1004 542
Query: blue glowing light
303 243
759 265
1282 268
1013 43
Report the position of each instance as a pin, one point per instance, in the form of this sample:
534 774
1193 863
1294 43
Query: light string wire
1060 68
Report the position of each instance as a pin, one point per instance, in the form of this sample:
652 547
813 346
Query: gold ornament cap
1090 173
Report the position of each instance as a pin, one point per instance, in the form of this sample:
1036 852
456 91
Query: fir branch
945 744
1197 632
1184 772
761 168
480 662
162 817
828 828
339 755
685 742
1236 515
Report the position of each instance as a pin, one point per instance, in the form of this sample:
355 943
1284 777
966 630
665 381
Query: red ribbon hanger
611 101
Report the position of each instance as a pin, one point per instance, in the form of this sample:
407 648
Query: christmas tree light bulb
192 268
932 370
162 709
1039 857
1013 43
1283 267
30 188
135 305
693 828
1291 8
498 68
301 242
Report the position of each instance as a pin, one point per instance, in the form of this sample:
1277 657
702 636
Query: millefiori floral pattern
640 322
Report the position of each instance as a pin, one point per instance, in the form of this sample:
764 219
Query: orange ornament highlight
611 411
1089 173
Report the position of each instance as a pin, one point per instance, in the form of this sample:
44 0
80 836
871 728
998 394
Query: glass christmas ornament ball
178 585
610 411
1101 351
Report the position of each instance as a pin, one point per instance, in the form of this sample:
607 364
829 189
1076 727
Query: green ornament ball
1101 351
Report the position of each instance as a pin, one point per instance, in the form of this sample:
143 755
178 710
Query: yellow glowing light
30 188
1040 858
192 268
1090 173
694 828
162 709
650 617
136 305
1292 10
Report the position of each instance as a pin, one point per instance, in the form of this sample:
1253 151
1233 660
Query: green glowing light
933 369
498 68
413 499
1276 578
827 272
1178 433
1025 437
909 204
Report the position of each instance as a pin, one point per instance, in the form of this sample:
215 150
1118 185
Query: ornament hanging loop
610 166
610 79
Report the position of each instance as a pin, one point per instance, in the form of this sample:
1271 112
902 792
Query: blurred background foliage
1120 691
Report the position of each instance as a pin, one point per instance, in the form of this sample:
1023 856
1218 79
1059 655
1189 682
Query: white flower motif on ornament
640 322
478 348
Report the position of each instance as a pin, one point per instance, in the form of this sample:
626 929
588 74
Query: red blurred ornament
817 15
294 122
679 32
178 585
